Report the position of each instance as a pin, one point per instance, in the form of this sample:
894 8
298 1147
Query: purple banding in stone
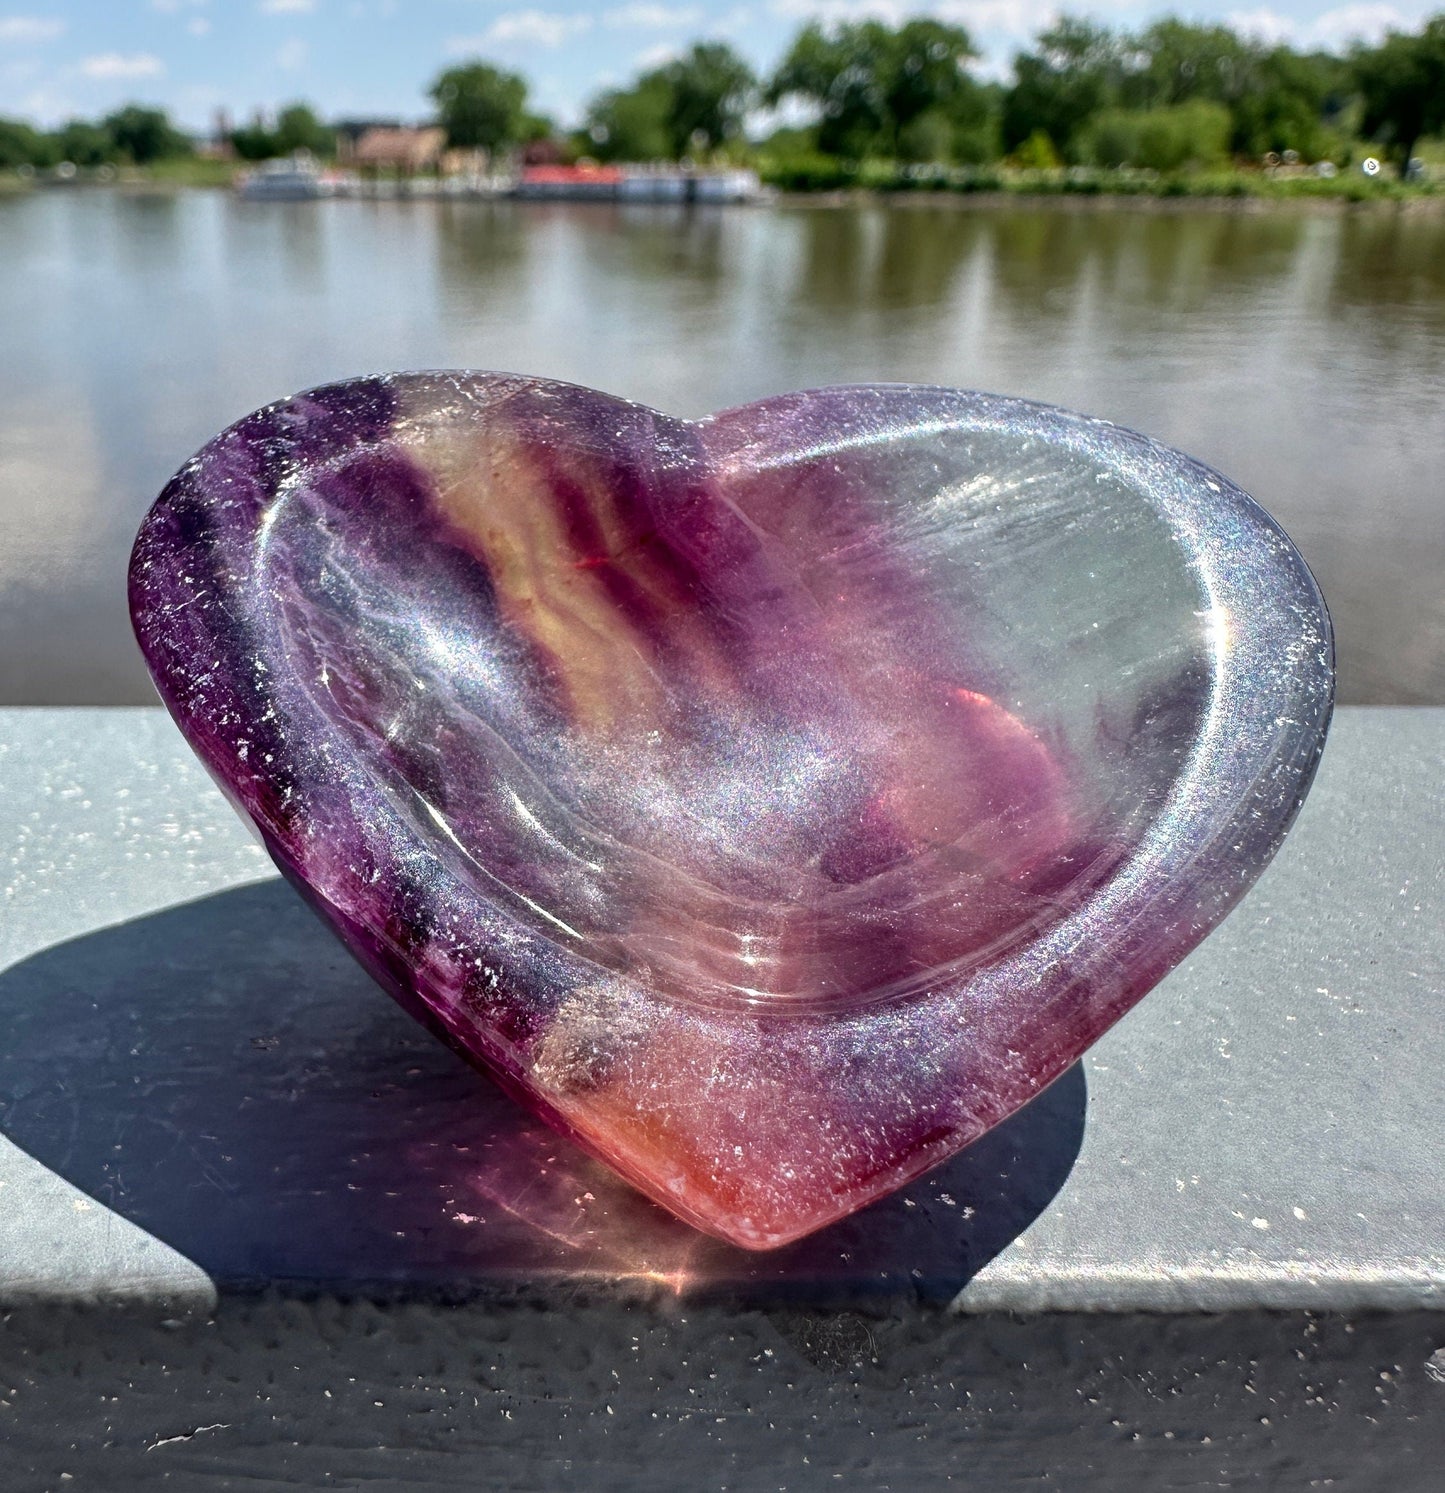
773 802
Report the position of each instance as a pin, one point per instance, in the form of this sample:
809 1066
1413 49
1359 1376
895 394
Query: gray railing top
199 1092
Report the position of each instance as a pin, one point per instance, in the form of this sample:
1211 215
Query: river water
1302 352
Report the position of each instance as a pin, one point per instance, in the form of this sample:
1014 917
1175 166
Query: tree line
139 136
1167 97
1171 96
133 135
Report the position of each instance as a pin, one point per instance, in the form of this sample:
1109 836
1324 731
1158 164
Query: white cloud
1333 30
1265 25
1016 18
735 21
1361 22
652 17
47 105
998 27
26 30
199 27
1366 20
658 56
536 28
123 65
173 7
832 11
1020 18
287 7
293 55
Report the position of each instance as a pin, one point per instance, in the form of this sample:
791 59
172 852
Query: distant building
398 149
350 131
548 151
217 145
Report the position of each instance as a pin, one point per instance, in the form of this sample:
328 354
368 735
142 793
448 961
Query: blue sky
362 57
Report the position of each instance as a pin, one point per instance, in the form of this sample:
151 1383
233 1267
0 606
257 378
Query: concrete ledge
257 1229
200 1094
285 1394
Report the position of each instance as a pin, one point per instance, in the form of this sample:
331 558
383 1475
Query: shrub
1176 138
1037 153
21 145
809 173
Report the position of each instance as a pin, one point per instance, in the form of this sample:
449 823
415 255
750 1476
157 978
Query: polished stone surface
195 1075
776 802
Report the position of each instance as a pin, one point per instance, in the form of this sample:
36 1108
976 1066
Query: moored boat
293 178
592 183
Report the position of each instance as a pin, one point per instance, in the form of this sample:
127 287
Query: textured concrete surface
257 1230
285 1395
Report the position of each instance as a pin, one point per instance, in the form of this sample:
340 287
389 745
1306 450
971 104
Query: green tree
298 128
927 137
872 84
837 73
710 90
86 144
1173 138
927 73
1079 71
1286 107
23 145
143 135
1076 69
631 124
691 105
253 142
480 106
1037 153
1176 62
1402 88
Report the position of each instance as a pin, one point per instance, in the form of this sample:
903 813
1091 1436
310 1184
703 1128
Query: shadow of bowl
222 1075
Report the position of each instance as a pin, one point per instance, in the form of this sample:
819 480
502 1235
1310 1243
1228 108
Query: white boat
294 178
683 185
727 186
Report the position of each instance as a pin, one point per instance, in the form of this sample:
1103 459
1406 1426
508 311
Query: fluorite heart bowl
772 802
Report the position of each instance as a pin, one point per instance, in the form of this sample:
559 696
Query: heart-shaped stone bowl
773 802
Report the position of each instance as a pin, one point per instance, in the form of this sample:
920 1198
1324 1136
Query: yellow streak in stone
504 505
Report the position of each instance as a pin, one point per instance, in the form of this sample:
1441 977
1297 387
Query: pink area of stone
774 802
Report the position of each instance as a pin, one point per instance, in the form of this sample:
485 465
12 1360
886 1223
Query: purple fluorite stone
775 802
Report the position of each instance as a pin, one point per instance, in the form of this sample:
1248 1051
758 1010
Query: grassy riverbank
821 175
185 171
174 174
824 179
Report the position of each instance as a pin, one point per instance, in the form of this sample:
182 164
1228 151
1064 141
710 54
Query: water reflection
1301 352
480 243
921 257
832 271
